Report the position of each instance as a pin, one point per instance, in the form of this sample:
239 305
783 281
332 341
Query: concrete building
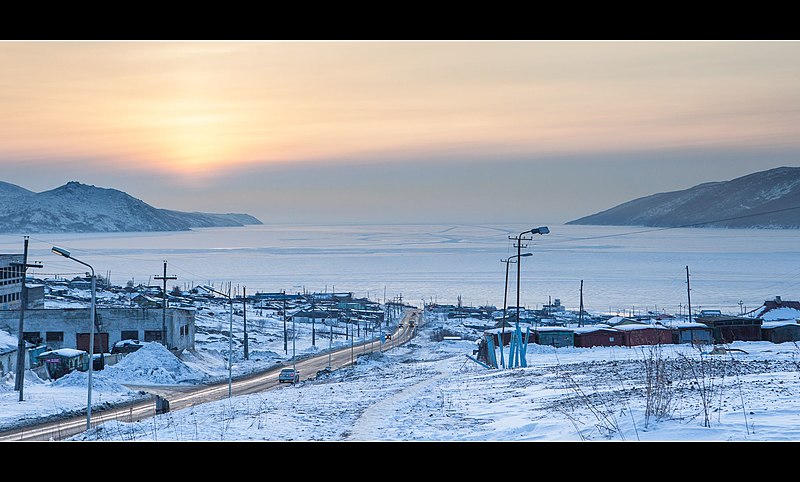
69 327
10 281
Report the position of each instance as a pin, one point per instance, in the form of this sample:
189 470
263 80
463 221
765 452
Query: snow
784 313
7 341
64 352
429 390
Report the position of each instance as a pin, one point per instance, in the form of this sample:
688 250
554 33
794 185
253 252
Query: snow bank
152 364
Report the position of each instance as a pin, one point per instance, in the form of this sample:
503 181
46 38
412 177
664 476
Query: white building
10 281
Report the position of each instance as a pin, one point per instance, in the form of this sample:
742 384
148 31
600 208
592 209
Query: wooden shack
727 329
589 336
780 331
635 334
692 332
65 360
556 336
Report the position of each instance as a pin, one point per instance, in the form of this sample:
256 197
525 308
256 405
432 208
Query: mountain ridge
764 199
82 208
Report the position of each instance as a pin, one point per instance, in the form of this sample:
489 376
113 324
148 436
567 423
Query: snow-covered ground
429 390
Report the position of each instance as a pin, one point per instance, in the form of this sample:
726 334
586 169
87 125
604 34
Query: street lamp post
519 239
63 252
230 335
505 294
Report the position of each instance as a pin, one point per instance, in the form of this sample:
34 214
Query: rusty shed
780 331
645 334
727 329
590 336
556 336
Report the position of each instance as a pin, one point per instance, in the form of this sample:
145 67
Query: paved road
180 397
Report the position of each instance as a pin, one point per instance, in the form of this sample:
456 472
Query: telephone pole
688 295
580 313
244 321
164 278
19 381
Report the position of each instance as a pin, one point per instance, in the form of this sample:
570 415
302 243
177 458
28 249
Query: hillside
766 199
80 208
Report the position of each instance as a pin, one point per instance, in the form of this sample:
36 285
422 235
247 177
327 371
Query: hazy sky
396 131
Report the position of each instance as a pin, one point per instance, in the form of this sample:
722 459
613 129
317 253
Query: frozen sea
624 269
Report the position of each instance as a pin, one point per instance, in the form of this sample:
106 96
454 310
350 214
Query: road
180 397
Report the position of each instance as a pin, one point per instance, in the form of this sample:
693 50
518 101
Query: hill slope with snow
766 199
80 208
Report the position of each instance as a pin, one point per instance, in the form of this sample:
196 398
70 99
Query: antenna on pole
164 278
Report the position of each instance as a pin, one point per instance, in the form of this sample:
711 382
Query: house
726 329
778 309
692 332
8 353
590 336
780 331
315 316
556 336
621 320
635 334
63 361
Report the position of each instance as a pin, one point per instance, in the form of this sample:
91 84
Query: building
726 329
644 334
692 332
69 327
8 353
554 336
778 309
10 281
60 362
780 331
589 336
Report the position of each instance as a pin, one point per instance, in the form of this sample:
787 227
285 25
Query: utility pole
285 348
244 321
19 381
164 278
580 313
688 295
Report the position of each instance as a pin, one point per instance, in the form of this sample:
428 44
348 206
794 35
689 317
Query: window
152 335
130 334
32 337
54 336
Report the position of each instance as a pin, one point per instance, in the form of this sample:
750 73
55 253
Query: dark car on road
289 375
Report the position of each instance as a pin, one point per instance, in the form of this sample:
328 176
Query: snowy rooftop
63 352
637 326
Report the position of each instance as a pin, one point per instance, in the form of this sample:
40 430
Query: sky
430 391
396 131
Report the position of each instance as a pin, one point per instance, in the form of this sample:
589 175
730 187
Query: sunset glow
200 109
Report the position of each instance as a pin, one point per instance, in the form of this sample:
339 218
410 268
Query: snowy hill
76 207
766 199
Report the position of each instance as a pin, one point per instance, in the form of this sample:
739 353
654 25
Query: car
388 336
289 375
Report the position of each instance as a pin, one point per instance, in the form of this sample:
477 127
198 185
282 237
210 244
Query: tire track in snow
370 424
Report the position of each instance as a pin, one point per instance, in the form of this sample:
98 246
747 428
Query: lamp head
60 251
540 230
525 255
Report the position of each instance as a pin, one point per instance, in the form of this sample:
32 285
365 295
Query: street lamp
230 337
505 293
519 239
63 252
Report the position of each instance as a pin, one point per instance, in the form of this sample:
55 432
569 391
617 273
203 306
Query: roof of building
67 352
